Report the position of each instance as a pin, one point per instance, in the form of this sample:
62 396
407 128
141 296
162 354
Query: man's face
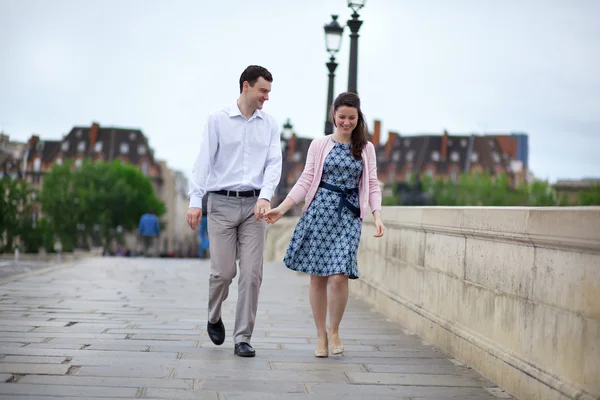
259 93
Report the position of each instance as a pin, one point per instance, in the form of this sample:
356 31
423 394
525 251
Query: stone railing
511 292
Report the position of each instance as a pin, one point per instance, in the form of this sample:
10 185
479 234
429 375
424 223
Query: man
148 229
239 164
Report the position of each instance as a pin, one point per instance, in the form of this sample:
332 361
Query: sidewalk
114 328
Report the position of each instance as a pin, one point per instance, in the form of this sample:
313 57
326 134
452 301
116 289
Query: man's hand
194 215
262 206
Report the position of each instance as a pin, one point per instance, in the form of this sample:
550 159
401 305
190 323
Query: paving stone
5 377
74 346
321 366
30 322
243 385
73 391
30 397
32 360
372 378
76 380
182 394
132 371
421 369
270 375
46 369
416 392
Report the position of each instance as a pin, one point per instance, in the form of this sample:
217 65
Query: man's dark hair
252 73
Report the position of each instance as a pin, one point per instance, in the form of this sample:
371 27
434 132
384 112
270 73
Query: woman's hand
380 229
273 215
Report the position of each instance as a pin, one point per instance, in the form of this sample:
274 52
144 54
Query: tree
97 194
15 211
590 197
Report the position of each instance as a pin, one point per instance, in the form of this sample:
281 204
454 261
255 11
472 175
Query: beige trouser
232 227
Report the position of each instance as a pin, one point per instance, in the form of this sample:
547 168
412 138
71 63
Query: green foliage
16 199
590 197
103 195
482 189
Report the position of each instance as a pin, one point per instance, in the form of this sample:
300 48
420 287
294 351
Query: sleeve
204 160
273 163
374 189
302 186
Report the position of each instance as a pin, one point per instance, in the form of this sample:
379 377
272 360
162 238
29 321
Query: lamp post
354 25
333 41
286 134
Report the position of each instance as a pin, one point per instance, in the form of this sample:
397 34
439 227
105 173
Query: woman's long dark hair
358 138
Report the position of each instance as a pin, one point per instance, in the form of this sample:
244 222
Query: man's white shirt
237 154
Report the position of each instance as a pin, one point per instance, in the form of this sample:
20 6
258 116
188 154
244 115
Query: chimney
291 147
93 135
444 149
389 145
376 138
33 141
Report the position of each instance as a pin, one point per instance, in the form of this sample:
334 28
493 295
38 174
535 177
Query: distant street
10 267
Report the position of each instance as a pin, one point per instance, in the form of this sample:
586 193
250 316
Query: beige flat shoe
337 350
322 353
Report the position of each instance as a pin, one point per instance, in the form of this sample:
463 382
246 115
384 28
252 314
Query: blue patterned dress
325 243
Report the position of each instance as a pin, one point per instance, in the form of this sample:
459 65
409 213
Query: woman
338 183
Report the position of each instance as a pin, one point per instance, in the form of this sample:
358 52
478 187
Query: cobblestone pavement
117 328
11 268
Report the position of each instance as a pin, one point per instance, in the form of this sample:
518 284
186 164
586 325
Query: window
98 147
474 157
141 149
78 133
435 155
132 136
450 142
453 176
145 168
431 172
396 156
81 147
78 162
496 157
37 163
463 142
65 146
454 156
406 142
124 148
39 146
410 155
59 161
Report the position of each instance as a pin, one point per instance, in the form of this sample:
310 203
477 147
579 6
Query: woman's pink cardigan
307 185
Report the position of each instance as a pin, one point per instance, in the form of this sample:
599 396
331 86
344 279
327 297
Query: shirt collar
234 111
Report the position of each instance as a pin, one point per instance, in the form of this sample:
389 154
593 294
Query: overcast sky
468 66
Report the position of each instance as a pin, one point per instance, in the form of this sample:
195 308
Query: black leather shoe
243 349
216 332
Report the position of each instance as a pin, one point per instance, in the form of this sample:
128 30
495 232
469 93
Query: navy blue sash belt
343 198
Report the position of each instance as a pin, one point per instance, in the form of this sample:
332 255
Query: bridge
453 303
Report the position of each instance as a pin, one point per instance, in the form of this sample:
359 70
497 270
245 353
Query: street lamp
333 41
288 130
354 25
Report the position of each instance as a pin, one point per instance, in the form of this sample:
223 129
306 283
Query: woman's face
345 119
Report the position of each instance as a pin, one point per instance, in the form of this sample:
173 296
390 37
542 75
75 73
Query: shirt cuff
195 202
266 194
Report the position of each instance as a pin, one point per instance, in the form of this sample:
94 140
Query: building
129 146
447 156
11 157
439 156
